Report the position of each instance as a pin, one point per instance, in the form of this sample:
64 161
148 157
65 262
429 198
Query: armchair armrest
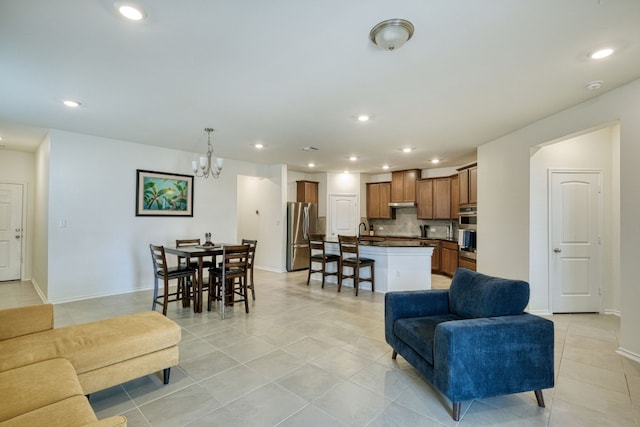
15 322
493 356
408 304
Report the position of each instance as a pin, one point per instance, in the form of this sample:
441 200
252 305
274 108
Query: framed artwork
163 194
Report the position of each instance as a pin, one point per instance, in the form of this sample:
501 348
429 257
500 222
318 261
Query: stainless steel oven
468 218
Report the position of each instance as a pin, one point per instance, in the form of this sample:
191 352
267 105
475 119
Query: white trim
628 354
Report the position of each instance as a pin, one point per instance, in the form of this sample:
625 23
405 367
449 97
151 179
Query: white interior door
10 231
344 215
575 258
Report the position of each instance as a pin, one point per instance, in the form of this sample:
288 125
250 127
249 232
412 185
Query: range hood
402 204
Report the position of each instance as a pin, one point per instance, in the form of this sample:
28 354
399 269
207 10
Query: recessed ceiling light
435 160
71 103
0 138
385 167
346 172
363 118
601 53
311 165
131 11
259 146
407 150
594 85
353 158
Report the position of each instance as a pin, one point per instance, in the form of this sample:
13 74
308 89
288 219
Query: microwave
468 218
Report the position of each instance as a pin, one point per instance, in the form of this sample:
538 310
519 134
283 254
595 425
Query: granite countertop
450 239
395 244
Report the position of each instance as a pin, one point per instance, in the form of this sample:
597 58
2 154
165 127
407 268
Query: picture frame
163 194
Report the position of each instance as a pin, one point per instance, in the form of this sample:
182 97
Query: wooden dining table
200 252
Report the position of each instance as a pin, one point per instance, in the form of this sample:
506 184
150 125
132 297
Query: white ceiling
292 73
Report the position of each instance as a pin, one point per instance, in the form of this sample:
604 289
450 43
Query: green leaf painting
165 194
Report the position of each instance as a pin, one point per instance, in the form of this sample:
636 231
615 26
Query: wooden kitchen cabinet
455 197
403 185
467 263
448 258
307 191
468 185
378 198
442 198
435 258
424 198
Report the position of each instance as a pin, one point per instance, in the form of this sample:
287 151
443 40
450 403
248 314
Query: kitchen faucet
360 228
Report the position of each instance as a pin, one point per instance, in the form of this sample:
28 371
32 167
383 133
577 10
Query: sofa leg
539 398
88 396
394 355
456 411
166 373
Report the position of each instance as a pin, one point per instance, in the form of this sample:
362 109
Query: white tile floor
307 356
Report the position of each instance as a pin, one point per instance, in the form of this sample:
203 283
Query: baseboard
273 270
36 286
628 354
540 312
100 295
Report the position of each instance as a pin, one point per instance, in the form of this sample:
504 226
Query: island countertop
395 243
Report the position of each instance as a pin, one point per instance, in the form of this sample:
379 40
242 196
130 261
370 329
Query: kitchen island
399 265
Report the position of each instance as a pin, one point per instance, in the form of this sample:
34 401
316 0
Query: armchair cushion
474 295
418 333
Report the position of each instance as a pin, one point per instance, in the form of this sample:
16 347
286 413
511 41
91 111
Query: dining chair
162 272
229 279
350 258
318 254
252 254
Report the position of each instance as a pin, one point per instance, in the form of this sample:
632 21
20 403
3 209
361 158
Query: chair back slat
348 245
252 250
159 259
187 242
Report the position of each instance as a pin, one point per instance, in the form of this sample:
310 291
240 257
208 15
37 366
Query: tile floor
307 356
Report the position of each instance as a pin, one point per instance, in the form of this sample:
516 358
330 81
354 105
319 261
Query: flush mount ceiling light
363 118
407 150
130 10
353 158
259 146
435 161
209 165
312 165
385 167
601 53
71 103
391 34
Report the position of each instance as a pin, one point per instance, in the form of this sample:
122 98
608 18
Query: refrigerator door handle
305 223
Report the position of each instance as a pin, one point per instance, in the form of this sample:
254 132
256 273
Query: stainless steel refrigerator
302 219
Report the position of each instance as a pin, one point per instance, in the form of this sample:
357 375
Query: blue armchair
473 340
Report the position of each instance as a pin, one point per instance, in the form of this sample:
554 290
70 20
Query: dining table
200 252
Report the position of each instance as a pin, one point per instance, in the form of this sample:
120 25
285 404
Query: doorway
575 227
11 231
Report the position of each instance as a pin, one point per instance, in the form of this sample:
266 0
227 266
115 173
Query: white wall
40 249
261 213
592 151
104 247
503 169
18 167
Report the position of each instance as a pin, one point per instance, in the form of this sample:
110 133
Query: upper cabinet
307 191
455 197
378 198
403 185
433 198
424 198
468 185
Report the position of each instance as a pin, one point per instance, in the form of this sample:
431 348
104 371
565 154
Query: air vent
309 149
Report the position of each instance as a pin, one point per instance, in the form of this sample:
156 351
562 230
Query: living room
83 240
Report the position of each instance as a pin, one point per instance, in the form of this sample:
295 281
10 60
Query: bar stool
316 243
230 278
350 257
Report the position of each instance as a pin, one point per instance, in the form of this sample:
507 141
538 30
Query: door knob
557 250
17 236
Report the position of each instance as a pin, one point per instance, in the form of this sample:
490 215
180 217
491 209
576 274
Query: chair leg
539 398
324 269
356 278
253 288
155 293
373 272
243 283
309 273
166 297
456 411
394 355
340 273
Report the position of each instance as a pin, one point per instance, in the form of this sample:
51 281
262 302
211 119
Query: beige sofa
48 371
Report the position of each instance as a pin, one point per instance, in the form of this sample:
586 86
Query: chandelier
209 165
